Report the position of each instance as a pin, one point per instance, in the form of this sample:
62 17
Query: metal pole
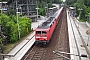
79 15
37 13
21 10
45 10
88 40
1 7
89 18
27 9
18 24
47 6
37 9
17 20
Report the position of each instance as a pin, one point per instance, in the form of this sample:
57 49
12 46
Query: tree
3 0
80 5
84 4
71 2
58 1
43 3
10 27
87 3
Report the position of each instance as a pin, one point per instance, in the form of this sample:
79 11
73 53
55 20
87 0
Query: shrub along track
59 42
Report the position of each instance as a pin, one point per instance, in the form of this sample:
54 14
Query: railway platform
78 39
19 51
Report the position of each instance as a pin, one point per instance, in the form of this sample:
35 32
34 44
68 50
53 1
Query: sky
64 0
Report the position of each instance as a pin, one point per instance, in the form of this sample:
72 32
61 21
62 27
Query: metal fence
88 19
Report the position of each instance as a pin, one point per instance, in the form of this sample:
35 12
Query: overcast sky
64 0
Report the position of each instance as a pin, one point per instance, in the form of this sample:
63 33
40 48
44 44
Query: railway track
59 42
35 53
63 44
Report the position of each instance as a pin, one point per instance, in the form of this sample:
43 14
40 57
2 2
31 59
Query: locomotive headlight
45 38
37 36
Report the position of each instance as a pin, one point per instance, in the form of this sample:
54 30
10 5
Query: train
44 31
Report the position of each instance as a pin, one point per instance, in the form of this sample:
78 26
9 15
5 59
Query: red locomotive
44 31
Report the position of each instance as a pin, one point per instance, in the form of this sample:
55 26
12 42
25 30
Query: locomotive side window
38 32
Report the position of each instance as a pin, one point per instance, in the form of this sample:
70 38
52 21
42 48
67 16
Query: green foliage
11 12
3 0
84 4
43 3
82 20
10 27
80 4
25 25
71 2
87 3
0 40
41 8
4 19
58 1
87 10
13 31
0 21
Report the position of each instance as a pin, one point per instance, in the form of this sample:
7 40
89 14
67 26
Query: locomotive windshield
40 32
43 32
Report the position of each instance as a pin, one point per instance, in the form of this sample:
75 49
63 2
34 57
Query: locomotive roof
47 23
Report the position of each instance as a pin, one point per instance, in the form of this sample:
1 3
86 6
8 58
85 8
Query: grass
82 20
8 47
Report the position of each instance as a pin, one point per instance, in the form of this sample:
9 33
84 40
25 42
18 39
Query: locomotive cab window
38 32
43 32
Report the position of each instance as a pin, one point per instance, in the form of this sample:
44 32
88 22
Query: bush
0 40
10 26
